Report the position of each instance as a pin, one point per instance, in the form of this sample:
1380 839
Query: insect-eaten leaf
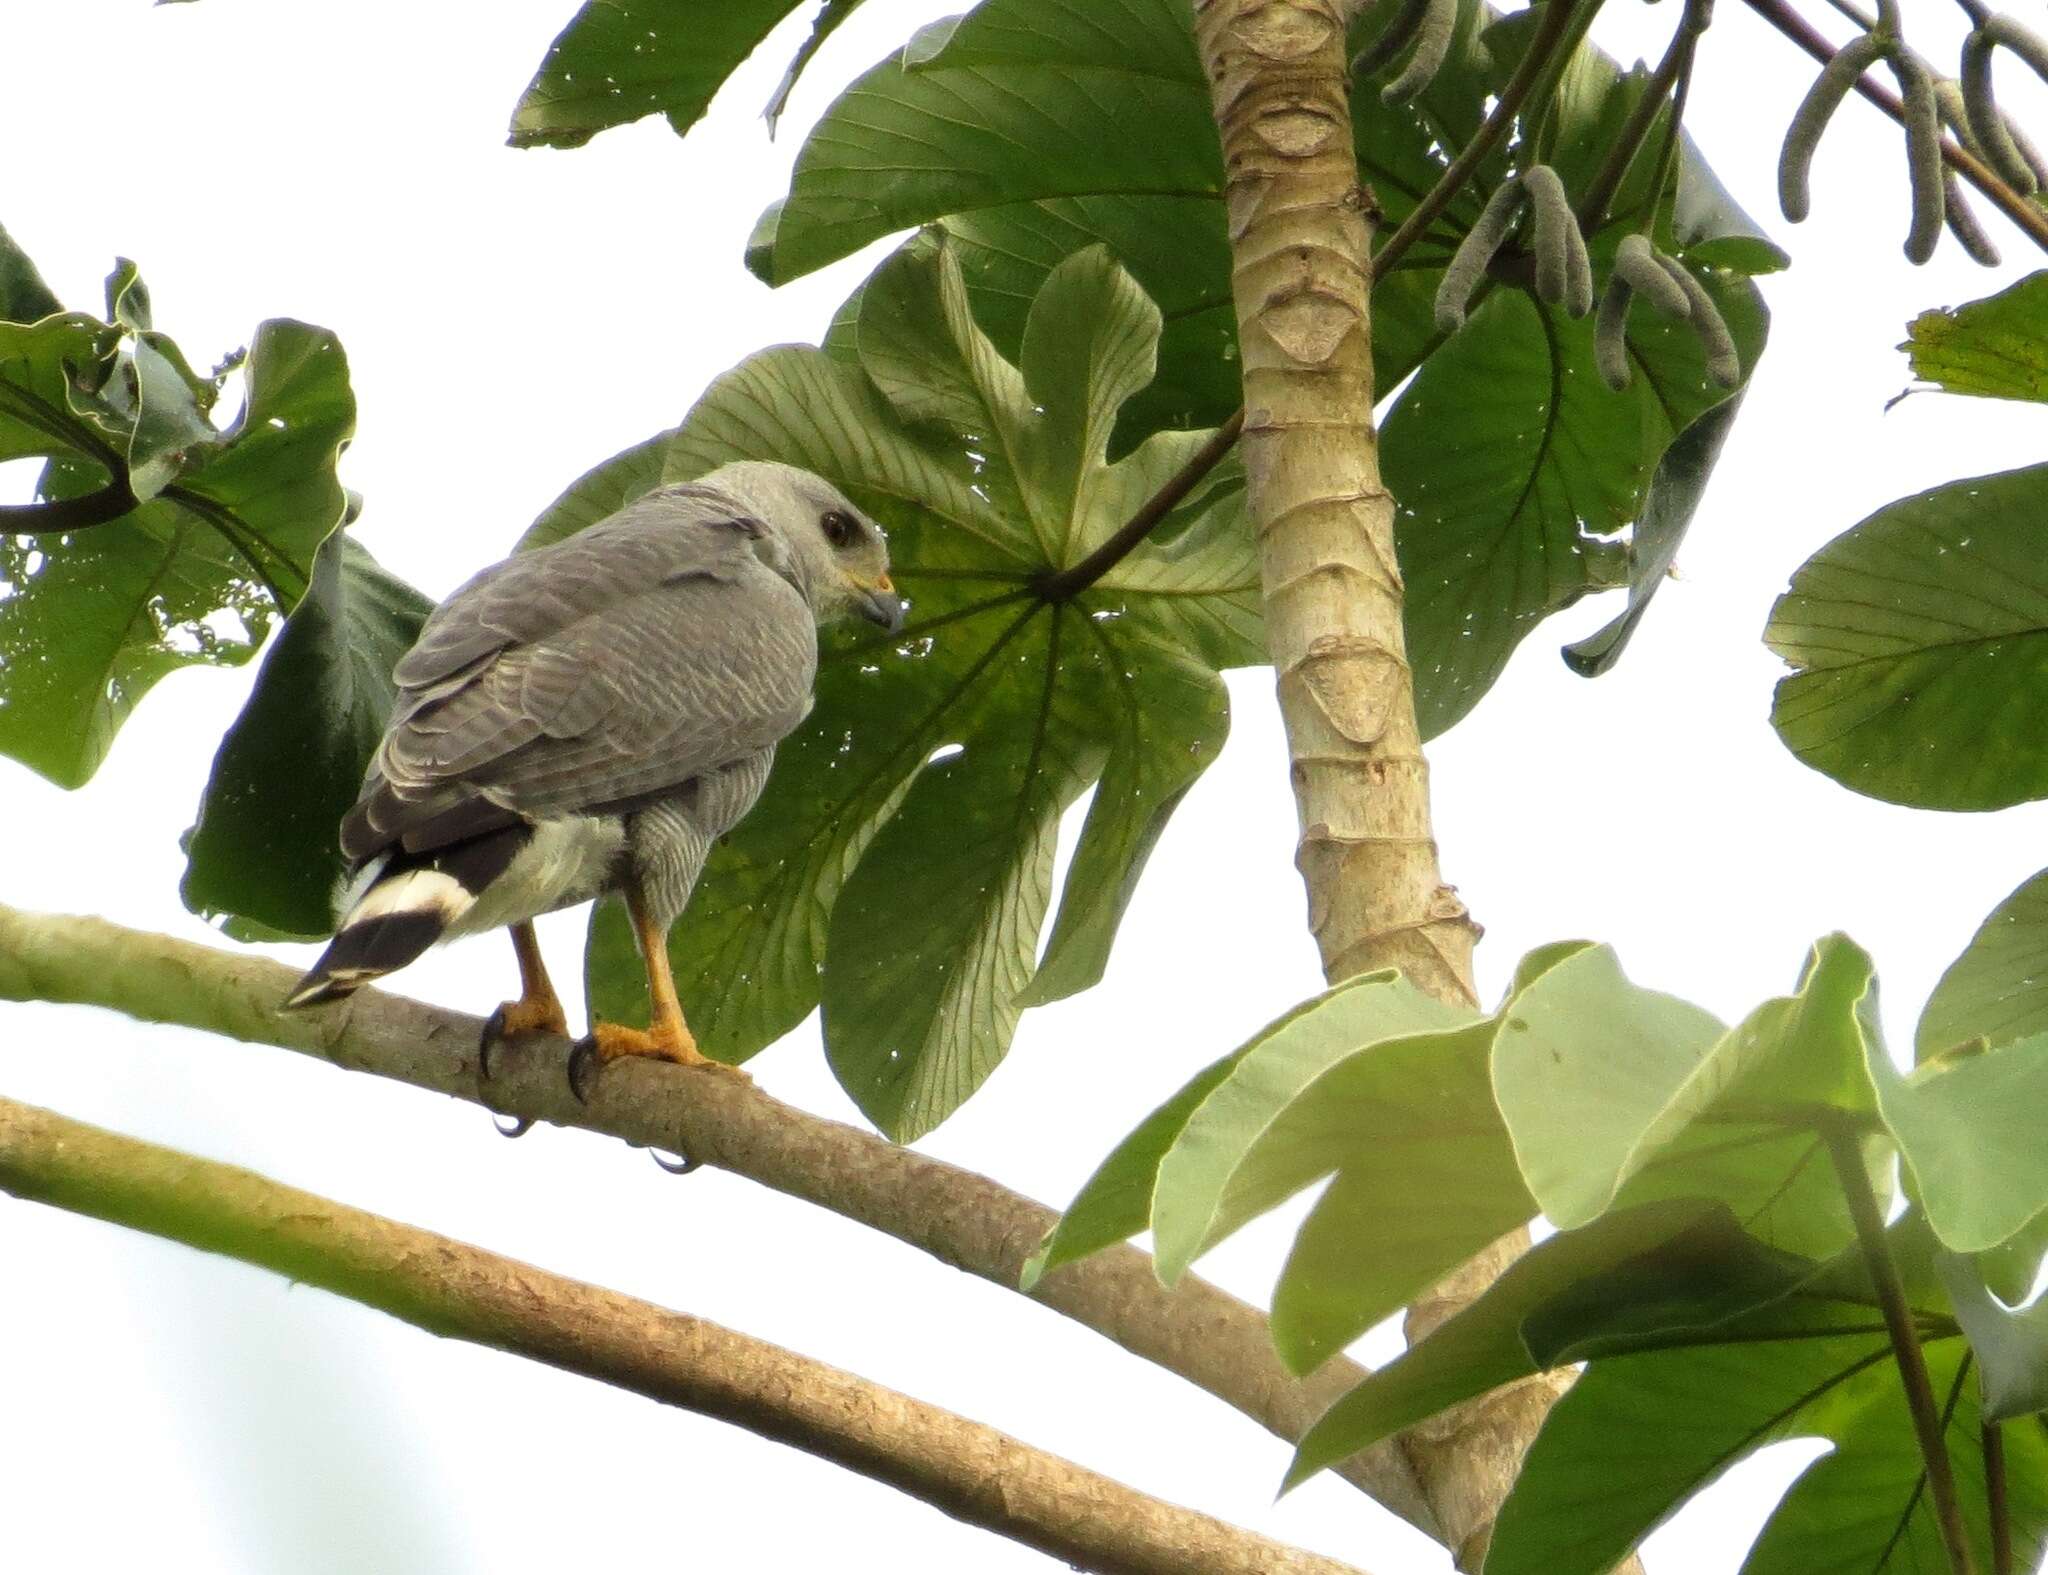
214 534
1919 643
1996 348
263 858
898 866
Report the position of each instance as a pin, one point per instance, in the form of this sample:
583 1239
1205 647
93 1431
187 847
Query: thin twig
1845 1147
1551 26
1621 158
968 1221
1996 1498
2023 213
449 1288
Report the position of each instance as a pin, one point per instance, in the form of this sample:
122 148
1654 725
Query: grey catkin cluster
1564 273
1984 129
1669 286
1430 25
1929 103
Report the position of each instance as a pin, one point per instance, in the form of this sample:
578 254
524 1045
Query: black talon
581 1054
682 1166
494 1030
521 1125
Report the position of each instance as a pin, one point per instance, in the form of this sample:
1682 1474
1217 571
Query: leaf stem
1674 68
57 516
1846 1149
1995 1495
1063 583
2033 220
1551 27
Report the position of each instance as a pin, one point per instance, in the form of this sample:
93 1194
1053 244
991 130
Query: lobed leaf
1516 470
898 866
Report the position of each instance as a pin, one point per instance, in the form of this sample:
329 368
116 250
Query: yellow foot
542 1015
609 1042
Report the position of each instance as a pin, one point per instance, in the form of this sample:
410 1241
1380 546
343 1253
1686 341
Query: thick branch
446 1287
1301 271
1195 1330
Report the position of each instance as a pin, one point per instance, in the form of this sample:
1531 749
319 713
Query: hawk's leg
667 1036
538 1009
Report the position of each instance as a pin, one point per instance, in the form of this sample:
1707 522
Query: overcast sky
511 318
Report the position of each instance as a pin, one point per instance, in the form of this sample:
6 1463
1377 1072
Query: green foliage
1919 643
1996 347
619 61
1969 1125
263 853
1638 1435
217 529
1997 990
905 839
1705 1255
1514 466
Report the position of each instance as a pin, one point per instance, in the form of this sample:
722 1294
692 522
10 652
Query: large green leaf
90 619
1275 1122
1996 347
903 847
1997 990
262 853
1919 640
1515 466
602 490
1665 1274
1368 1080
1638 1435
1969 1125
619 61
24 298
1615 1093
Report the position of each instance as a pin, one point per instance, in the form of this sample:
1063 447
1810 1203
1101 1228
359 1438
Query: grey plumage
598 711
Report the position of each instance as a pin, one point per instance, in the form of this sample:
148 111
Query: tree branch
1206 1336
972 1472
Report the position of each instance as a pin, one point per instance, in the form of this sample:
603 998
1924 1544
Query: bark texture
1195 1330
447 1287
1300 235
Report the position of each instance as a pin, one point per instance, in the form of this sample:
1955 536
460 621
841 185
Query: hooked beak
880 604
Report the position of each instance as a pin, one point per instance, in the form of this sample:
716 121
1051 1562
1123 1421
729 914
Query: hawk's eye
842 530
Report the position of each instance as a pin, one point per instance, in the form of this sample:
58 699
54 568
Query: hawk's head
826 547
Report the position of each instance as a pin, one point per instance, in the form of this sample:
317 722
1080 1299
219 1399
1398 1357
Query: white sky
512 318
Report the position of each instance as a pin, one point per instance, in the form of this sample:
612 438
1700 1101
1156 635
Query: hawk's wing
618 664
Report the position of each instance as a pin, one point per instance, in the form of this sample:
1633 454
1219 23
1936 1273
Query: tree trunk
1300 234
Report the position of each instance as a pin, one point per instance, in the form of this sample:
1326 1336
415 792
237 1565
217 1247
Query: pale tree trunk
1300 235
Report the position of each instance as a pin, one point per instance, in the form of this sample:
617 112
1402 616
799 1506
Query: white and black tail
405 902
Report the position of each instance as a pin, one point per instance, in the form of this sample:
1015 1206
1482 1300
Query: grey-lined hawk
590 717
